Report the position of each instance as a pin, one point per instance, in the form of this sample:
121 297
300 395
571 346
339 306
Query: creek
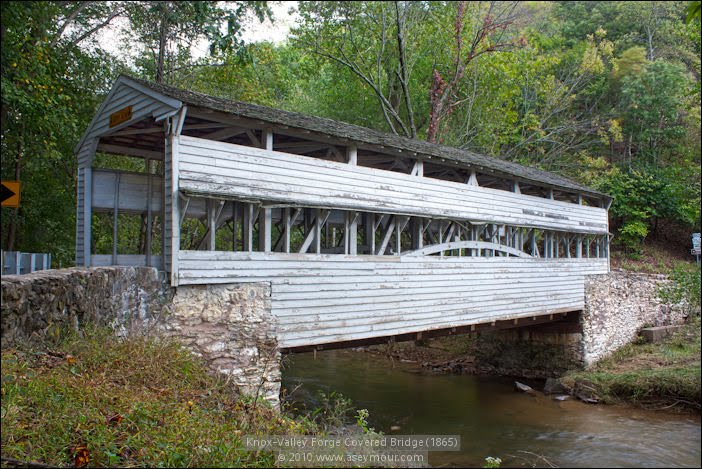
491 418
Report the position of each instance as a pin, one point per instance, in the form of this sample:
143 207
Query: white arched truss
454 245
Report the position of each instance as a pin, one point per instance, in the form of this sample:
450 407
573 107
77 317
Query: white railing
17 263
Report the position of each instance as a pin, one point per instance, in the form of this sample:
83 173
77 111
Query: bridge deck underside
326 299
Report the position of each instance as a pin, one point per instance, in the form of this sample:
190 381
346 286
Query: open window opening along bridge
362 235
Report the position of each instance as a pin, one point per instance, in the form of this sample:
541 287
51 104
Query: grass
99 400
660 376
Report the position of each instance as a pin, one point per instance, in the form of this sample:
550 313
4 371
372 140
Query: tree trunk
12 230
163 30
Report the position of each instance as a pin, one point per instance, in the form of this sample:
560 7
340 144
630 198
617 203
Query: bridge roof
368 136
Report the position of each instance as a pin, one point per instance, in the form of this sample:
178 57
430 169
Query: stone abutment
229 326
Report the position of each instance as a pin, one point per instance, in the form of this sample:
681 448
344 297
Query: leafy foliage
607 93
685 285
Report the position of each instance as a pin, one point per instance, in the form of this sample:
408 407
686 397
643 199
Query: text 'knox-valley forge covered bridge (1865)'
360 234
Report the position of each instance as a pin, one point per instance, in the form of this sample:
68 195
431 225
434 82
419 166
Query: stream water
493 419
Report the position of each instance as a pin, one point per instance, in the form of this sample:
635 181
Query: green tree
652 106
166 30
49 79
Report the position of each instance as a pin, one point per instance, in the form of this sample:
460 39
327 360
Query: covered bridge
361 234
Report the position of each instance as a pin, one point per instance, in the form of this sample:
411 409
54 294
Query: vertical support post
534 248
88 215
115 215
417 233
149 215
317 231
352 233
598 247
606 248
352 155
473 179
587 247
172 196
369 224
398 237
474 237
211 225
579 246
267 139
247 228
235 216
265 220
287 228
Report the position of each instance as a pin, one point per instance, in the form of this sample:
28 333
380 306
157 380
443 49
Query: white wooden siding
83 203
329 298
171 215
232 170
167 208
133 189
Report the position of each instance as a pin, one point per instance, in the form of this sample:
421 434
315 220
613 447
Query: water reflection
493 420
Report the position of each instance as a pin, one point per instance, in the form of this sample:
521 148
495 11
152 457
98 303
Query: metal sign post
695 251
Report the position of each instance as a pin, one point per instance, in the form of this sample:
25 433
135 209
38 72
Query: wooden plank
307 181
103 260
324 298
324 176
248 156
134 191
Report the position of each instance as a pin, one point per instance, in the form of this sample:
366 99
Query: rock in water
523 388
554 386
587 399
561 397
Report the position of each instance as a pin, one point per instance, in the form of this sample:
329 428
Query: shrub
684 285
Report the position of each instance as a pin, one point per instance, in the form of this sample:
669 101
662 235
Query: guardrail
17 263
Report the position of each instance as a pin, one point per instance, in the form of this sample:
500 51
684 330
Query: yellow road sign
10 193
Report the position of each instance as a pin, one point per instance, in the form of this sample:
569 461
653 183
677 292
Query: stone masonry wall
232 328
617 306
229 326
527 352
48 303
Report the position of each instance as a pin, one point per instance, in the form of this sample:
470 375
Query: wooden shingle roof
342 130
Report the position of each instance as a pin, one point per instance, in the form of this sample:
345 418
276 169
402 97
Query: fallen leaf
81 456
70 359
115 419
